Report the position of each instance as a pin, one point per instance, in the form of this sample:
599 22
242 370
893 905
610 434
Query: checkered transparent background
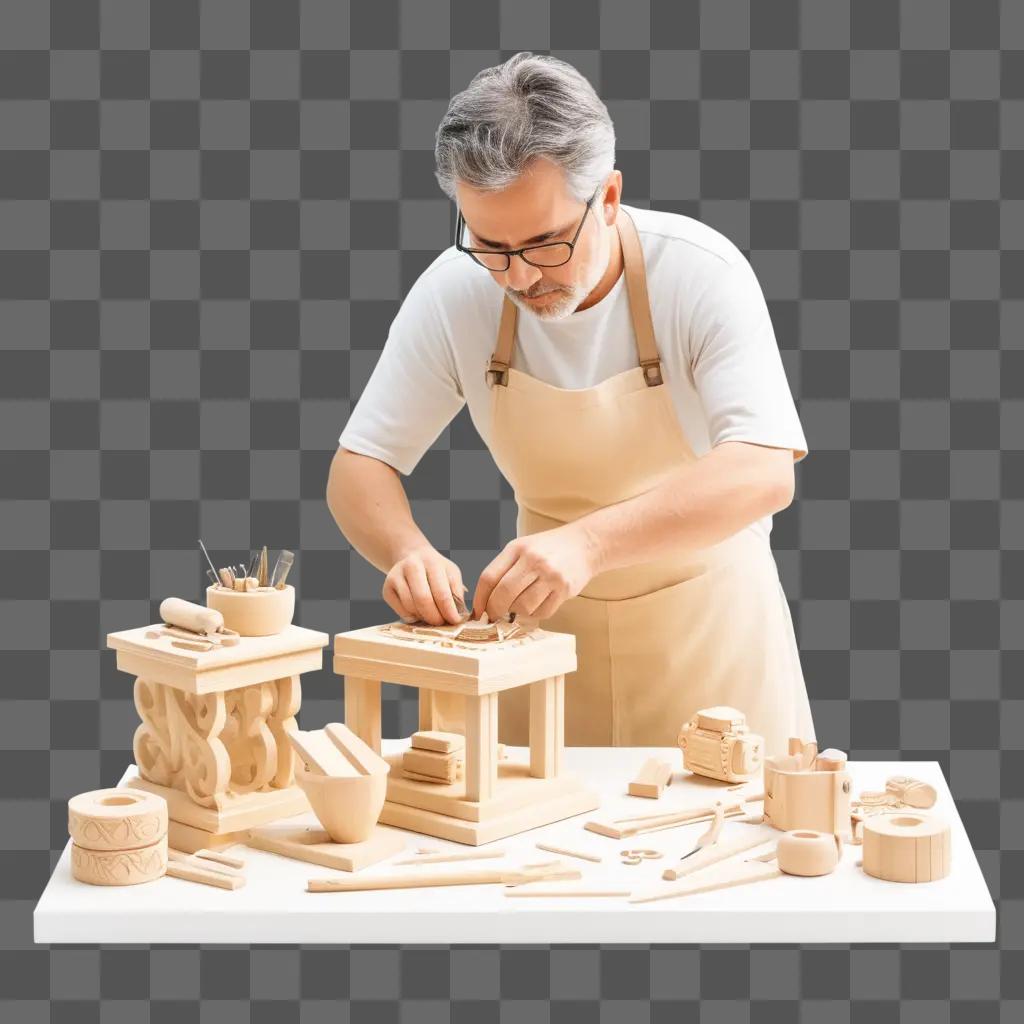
209 214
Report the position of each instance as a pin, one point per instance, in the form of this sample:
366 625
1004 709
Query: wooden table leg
481 746
547 726
426 710
362 709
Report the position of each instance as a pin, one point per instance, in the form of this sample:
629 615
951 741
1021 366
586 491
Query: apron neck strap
639 308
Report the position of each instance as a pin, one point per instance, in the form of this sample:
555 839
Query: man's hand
534 575
420 585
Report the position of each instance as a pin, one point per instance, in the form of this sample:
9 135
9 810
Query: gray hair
531 106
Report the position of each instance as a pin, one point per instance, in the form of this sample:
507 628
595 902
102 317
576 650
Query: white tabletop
847 906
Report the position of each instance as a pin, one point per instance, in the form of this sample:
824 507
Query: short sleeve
736 365
413 391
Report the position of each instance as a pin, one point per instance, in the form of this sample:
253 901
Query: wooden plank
314 846
481 764
365 760
362 709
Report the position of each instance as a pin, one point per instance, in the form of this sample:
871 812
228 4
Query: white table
847 906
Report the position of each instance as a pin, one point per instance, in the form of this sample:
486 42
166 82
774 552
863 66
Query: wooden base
515 789
571 799
238 813
314 846
189 839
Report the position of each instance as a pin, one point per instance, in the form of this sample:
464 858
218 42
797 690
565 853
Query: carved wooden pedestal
212 739
494 798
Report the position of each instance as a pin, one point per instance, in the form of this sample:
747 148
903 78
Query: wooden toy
213 737
120 867
798 797
908 792
315 846
441 742
116 819
555 871
718 852
716 743
261 612
808 853
494 798
906 847
652 779
620 828
202 868
562 851
348 806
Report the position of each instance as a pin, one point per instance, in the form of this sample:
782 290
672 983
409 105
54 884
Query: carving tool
281 567
554 871
209 560
262 574
718 852
710 837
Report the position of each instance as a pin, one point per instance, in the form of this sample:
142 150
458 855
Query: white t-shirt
719 355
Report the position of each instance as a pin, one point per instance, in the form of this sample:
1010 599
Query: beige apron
655 641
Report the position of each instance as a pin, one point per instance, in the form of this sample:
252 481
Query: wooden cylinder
116 819
120 867
809 853
262 612
176 612
906 847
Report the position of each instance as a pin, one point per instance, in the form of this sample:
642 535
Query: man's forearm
702 503
370 506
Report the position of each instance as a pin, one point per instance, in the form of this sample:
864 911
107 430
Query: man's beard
564 302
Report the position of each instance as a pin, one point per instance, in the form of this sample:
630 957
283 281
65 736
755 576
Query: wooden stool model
493 799
212 740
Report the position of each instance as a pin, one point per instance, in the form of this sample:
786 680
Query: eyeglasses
550 254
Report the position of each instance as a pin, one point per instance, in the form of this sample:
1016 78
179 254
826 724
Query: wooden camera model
717 743
804 791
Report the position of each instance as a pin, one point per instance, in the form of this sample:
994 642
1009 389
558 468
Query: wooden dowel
568 892
447 858
547 848
190 873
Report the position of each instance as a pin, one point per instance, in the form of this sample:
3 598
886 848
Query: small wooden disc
906 847
120 867
116 819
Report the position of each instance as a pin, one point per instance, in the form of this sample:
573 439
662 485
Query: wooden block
314 846
433 739
481 737
906 847
362 709
365 759
320 754
119 867
436 765
652 779
192 839
434 779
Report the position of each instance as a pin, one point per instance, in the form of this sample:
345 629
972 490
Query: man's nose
520 275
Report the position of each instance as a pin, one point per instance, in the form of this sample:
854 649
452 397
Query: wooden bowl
257 613
348 806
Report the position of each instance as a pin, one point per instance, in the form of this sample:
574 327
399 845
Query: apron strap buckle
652 372
497 373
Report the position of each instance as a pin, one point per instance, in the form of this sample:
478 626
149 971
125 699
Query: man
639 408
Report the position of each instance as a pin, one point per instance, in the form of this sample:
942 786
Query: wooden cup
254 613
348 806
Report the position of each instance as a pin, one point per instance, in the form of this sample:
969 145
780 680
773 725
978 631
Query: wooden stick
418 881
191 873
752 871
568 892
446 858
547 848
204 863
221 858
684 817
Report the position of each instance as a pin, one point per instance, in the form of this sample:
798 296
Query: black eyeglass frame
509 253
